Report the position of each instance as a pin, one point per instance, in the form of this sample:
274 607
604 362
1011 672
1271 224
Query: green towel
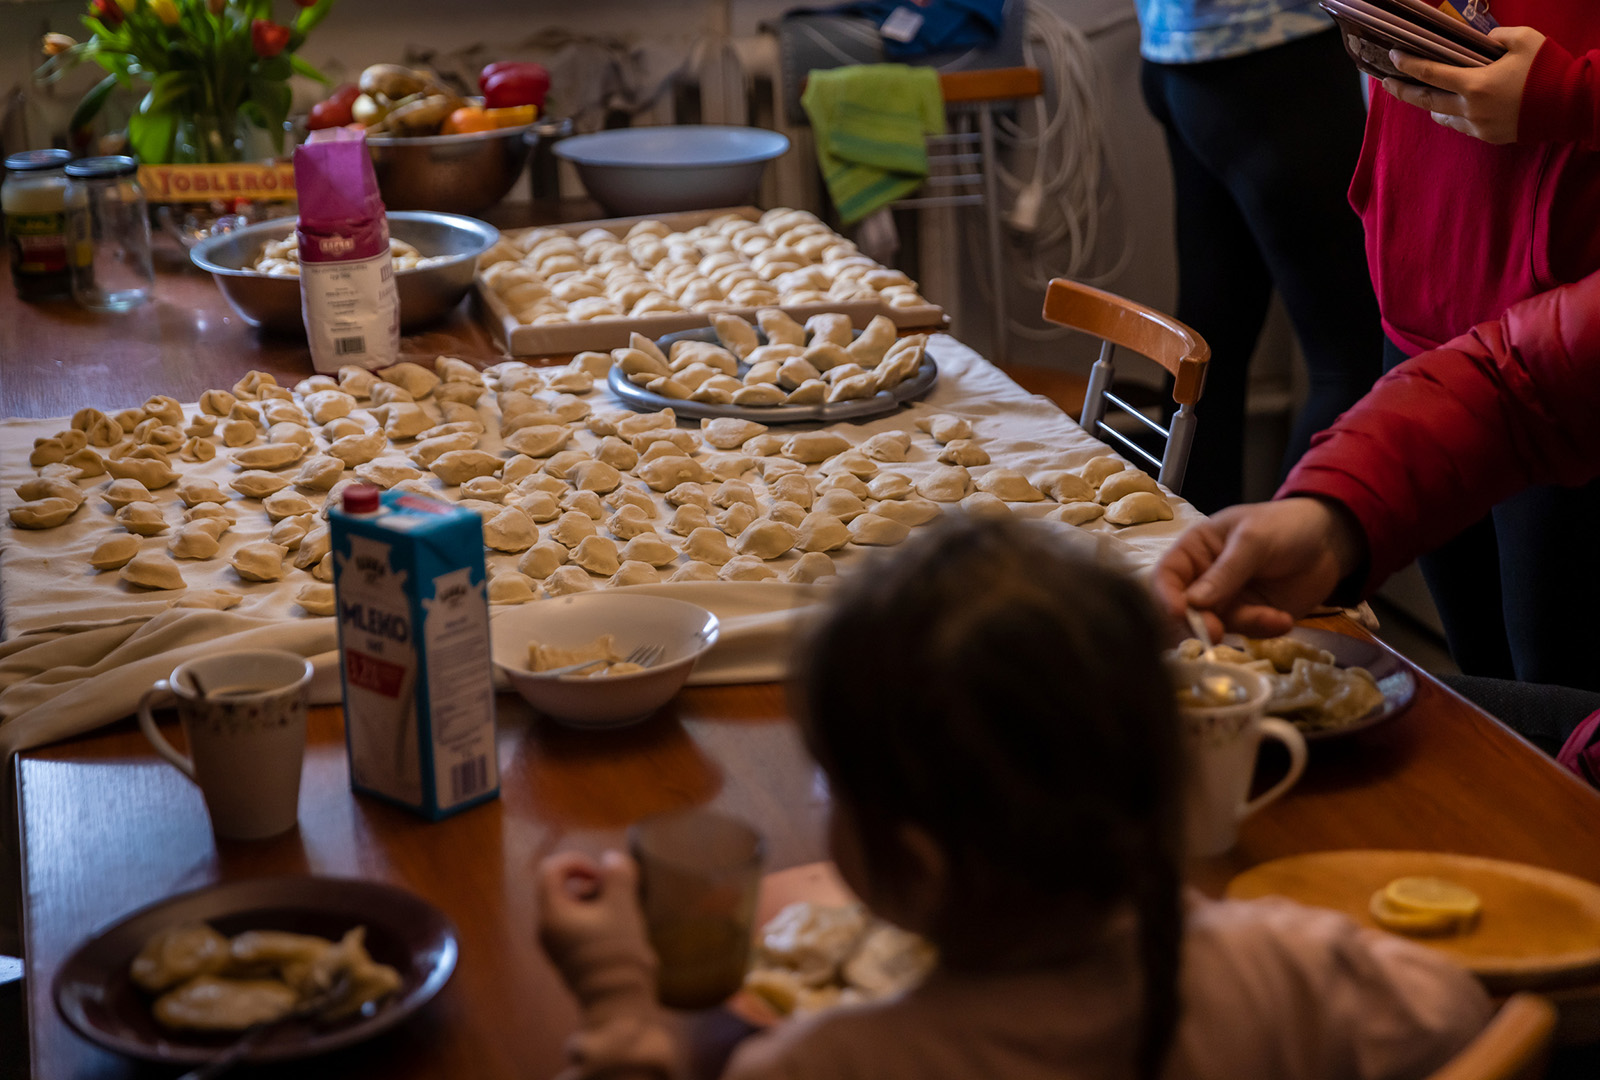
871 122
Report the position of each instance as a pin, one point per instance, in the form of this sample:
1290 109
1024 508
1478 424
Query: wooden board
604 334
1539 928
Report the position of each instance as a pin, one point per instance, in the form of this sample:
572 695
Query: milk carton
414 651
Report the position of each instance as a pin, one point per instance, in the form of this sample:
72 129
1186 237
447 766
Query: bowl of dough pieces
775 370
258 269
605 627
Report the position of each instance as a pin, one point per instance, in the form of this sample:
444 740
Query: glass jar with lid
34 202
109 229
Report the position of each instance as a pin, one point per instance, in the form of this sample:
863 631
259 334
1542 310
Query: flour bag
347 293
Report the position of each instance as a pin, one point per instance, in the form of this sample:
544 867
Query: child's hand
590 923
1481 102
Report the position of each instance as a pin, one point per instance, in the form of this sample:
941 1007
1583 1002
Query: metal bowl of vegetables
454 174
423 158
272 302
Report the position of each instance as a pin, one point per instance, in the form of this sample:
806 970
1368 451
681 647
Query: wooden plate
1539 928
95 995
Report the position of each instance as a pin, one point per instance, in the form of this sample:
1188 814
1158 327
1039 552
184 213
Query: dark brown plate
1395 680
96 996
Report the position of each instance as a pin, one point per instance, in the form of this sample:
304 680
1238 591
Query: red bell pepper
507 84
267 38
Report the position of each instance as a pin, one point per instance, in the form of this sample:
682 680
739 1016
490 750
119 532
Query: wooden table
106 827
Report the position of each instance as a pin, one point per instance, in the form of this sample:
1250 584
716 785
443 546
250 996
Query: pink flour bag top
347 292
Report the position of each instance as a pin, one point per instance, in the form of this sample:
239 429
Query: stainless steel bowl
659 170
455 174
273 303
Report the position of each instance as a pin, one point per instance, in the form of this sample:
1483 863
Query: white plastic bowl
659 170
685 630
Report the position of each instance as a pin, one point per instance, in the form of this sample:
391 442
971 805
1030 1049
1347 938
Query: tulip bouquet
210 70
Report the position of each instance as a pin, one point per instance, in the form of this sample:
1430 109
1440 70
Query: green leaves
201 75
302 68
92 103
150 135
311 16
169 89
270 102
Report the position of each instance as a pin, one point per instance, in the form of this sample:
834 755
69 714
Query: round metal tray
637 397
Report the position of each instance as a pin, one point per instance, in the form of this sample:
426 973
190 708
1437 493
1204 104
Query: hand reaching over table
1258 567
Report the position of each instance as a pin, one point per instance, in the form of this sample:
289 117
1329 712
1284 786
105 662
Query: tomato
466 120
514 84
335 111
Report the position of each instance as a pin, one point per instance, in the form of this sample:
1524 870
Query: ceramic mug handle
1295 743
147 724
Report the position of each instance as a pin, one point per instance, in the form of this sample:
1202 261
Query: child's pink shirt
1269 989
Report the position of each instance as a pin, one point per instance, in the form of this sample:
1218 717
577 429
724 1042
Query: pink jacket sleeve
1445 436
1561 98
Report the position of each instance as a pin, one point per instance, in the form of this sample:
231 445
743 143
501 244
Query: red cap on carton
360 499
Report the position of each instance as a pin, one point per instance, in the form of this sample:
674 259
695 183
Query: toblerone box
414 654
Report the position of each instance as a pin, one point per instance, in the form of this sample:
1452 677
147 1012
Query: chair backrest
1514 1046
1122 323
962 162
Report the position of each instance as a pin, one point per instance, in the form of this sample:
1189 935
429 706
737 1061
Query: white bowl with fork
683 632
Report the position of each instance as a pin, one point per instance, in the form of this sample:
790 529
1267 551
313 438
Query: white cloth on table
81 646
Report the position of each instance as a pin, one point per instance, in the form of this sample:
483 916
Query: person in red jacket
1478 191
1439 440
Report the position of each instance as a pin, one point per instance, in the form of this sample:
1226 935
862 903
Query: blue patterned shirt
1188 31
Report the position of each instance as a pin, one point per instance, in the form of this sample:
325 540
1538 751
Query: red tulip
268 38
306 3
107 12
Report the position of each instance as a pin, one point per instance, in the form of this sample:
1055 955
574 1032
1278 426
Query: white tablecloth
81 646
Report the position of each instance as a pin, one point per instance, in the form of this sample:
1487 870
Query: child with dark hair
1002 744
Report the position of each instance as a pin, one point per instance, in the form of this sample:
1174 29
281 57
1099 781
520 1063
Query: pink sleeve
1561 98
1450 433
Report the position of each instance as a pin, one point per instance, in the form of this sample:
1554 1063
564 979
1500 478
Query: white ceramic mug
244 714
1222 742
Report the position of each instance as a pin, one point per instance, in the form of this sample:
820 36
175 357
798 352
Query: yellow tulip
166 11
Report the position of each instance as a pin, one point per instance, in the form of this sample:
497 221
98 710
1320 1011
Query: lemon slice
1432 896
1414 923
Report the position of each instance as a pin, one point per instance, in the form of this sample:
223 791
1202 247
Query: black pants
1262 148
1544 715
1518 591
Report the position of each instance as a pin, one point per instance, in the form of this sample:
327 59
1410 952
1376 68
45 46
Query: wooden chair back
1122 323
1514 1046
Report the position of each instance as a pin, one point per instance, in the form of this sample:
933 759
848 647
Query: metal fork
644 656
